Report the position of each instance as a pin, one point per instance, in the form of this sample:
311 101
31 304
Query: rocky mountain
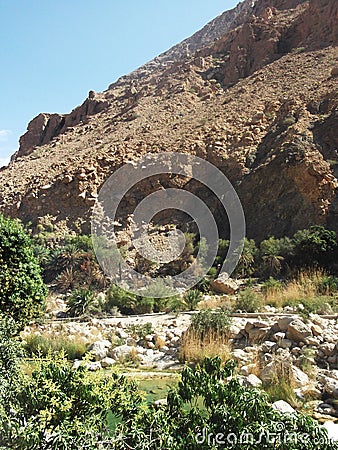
254 92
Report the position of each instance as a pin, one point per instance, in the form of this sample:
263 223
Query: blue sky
53 52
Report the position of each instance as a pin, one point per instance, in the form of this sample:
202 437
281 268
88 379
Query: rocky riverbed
262 344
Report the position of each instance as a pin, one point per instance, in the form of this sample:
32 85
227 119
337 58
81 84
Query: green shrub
328 285
271 285
191 299
80 302
247 301
59 407
117 297
210 406
317 245
206 320
22 291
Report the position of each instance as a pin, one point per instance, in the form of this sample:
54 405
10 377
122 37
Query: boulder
107 362
298 331
122 351
284 322
100 349
94 366
316 330
258 334
225 284
330 386
283 407
253 381
300 378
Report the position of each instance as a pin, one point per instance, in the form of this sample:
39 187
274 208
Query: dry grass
195 347
41 344
215 301
303 286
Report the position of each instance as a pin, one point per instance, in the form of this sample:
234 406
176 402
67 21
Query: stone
246 370
258 334
161 402
328 348
284 343
107 362
313 341
268 346
225 284
99 349
121 351
334 72
300 378
94 366
278 336
248 326
298 331
253 381
284 322
283 407
330 386
121 333
316 330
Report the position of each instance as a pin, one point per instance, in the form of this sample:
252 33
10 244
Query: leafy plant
248 301
208 320
80 302
191 299
210 409
22 291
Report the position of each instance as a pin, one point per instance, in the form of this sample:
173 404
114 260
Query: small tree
22 291
315 246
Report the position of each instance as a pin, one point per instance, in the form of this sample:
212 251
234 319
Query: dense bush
248 301
22 291
210 409
317 245
207 320
82 301
59 407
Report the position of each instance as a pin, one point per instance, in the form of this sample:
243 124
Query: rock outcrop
254 94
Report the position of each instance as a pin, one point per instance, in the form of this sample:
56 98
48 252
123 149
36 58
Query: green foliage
80 302
328 285
207 320
140 331
317 305
117 297
59 407
247 301
317 245
246 263
22 292
271 285
210 406
191 299
10 353
273 253
38 345
128 303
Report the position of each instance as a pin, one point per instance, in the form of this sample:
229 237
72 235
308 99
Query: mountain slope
259 102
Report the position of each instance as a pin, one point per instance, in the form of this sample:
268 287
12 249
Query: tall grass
195 346
42 345
307 288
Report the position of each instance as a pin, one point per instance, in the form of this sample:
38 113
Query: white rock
283 407
107 362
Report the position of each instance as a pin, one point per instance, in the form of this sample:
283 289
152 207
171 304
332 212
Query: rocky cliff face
254 92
